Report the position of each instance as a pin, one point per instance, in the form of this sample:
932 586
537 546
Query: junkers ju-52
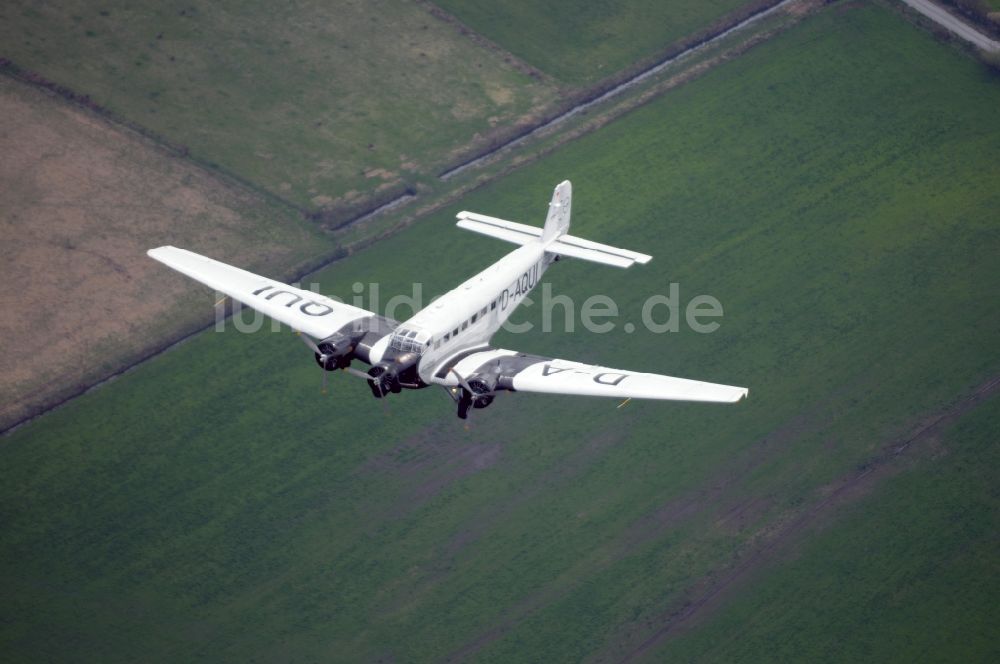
448 342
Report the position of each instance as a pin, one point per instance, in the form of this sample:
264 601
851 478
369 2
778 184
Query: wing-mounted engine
477 391
475 377
489 372
335 352
353 341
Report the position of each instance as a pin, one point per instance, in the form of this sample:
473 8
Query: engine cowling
479 394
482 391
336 352
390 375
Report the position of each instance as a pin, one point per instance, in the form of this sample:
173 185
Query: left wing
518 372
315 314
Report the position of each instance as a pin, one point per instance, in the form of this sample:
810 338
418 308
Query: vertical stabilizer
557 221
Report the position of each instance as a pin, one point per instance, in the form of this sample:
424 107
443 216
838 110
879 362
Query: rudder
560 207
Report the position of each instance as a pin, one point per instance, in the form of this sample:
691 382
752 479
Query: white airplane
447 342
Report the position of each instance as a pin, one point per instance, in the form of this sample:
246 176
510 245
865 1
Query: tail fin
557 221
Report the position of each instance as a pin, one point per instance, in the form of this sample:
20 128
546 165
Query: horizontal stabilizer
580 243
590 255
509 231
561 244
595 252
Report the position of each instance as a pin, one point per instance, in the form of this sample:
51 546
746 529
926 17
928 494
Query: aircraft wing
302 310
532 373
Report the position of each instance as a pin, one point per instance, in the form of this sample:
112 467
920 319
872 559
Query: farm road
949 22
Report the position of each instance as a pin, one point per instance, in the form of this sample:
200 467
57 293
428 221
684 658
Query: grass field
83 201
833 188
318 101
582 43
909 574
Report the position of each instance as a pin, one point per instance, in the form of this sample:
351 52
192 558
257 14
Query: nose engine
394 374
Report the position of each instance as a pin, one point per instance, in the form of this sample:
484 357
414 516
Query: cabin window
474 317
465 325
447 336
483 312
493 305
454 332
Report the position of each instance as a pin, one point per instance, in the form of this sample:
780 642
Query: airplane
447 342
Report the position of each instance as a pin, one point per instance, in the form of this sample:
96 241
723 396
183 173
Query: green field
582 43
834 188
910 574
315 101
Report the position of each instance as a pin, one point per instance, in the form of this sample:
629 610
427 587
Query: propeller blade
468 398
309 342
462 382
359 374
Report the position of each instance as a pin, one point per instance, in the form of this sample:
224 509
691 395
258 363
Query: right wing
518 372
302 310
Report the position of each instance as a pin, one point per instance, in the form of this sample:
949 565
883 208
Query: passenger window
493 305
465 325
447 336
474 317
483 312
454 332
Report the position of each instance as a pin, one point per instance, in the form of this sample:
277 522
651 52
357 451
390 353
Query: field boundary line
617 84
370 205
84 101
621 107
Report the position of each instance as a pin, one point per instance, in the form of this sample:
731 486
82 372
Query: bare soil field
82 202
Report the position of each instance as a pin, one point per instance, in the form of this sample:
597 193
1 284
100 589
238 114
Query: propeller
470 397
376 382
